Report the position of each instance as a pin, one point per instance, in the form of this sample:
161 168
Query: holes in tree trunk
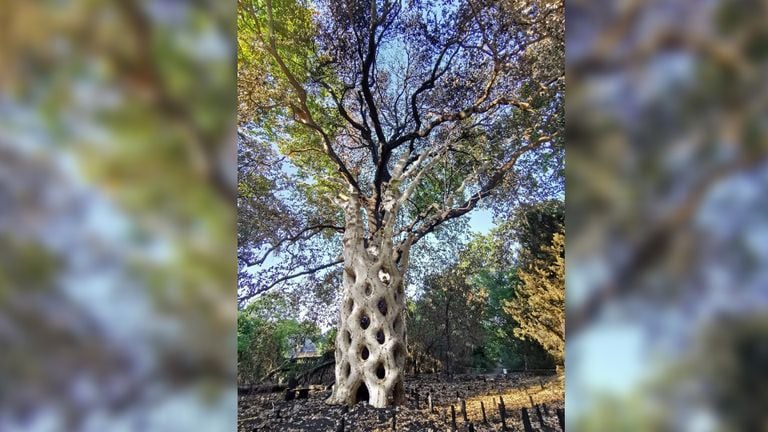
382 305
380 337
380 371
384 277
350 305
362 393
364 353
364 321
346 370
368 289
349 337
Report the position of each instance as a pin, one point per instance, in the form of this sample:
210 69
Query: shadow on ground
270 412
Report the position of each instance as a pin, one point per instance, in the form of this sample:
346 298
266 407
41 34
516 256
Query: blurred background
667 215
117 226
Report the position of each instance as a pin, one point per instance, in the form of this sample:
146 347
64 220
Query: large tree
401 116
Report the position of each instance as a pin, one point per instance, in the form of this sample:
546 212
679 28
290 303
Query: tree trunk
371 344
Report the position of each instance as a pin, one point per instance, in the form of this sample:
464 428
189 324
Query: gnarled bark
371 344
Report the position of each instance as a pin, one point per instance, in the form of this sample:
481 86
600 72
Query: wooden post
503 415
453 417
464 410
533 404
482 408
538 414
429 401
561 418
526 421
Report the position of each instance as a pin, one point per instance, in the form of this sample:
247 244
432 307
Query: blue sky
481 221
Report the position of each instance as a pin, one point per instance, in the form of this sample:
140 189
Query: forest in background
492 306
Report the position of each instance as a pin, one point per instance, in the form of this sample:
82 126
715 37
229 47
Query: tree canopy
425 109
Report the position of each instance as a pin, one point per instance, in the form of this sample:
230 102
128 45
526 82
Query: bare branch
254 293
470 203
297 236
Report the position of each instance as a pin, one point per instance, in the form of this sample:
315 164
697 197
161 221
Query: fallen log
254 389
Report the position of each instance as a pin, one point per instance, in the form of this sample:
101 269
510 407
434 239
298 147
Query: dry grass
552 394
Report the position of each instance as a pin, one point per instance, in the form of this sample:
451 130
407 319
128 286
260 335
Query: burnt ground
270 412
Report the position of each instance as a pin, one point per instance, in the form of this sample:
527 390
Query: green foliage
266 97
266 336
445 320
535 297
262 87
502 342
539 303
459 322
122 113
728 363
532 228
611 413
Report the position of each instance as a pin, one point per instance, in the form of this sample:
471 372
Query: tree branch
289 277
319 228
302 111
470 203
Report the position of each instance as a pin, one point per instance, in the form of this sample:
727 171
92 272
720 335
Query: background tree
268 332
538 304
502 344
400 118
459 322
446 321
